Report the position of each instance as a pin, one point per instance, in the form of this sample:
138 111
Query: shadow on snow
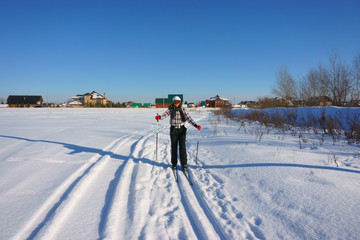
115 181
110 193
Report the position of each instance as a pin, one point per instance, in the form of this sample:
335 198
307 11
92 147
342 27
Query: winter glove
157 118
198 127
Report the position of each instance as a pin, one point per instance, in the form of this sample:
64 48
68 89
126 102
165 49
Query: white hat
176 98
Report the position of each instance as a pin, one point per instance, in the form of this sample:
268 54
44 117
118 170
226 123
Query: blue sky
140 50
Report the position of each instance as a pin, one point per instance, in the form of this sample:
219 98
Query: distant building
218 101
89 99
247 104
191 105
76 104
165 102
320 101
24 101
129 104
136 105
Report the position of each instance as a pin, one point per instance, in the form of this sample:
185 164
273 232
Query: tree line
337 82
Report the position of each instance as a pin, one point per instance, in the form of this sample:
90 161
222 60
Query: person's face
177 103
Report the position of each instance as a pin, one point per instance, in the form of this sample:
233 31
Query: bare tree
355 93
303 92
323 81
285 84
339 79
336 81
314 86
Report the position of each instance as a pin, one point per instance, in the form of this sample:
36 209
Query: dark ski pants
178 137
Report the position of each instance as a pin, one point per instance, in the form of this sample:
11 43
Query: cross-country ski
175 172
187 175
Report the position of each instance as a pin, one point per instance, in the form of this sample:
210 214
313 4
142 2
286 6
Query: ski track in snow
54 214
121 192
202 219
129 199
126 201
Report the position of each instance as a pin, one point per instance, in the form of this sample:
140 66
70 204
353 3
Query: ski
175 174
187 175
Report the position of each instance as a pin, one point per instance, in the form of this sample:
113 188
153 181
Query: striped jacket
177 120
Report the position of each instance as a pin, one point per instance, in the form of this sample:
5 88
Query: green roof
134 105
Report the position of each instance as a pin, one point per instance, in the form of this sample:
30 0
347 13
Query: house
165 102
25 101
136 105
218 101
247 104
284 102
75 104
90 99
320 101
129 104
191 105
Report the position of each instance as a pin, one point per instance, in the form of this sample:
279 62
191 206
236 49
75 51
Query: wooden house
24 101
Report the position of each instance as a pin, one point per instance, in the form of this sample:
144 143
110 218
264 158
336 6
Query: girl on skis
178 117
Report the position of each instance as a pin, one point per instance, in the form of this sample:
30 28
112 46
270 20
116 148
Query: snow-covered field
92 174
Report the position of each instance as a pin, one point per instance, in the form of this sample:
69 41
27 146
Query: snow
92 174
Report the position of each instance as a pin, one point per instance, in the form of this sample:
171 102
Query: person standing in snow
178 117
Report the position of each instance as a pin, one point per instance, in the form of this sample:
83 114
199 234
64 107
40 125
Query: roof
96 95
217 97
24 99
93 94
76 102
78 97
136 105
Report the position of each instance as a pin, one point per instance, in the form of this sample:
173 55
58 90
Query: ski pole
197 147
157 136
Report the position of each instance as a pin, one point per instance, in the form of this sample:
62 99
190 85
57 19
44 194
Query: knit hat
176 98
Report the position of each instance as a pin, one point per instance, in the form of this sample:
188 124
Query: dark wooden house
24 101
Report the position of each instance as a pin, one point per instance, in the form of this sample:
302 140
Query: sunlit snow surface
93 174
